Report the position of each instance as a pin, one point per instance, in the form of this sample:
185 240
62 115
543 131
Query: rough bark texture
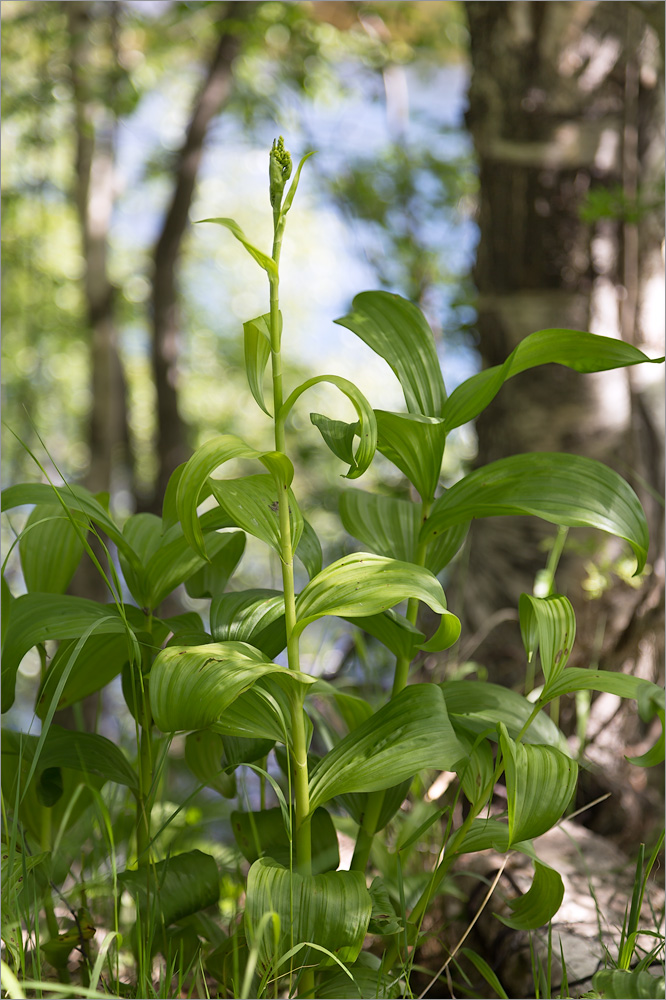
565 99
171 435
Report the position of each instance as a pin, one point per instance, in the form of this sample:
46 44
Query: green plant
304 923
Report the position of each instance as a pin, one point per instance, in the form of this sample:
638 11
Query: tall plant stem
375 801
299 749
143 803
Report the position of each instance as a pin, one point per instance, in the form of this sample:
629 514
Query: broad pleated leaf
332 910
262 834
367 425
387 525
253 504
261 258
584 352
415 444
540 781
354 710
255 616
444 546
338 435
563 489
357 802
179 886
38 617
477 767
549 625
74 498
365 584
100 660
204 752
51 548
212 578
618 984
396 330
260 713
369 980
309 551
193 482
257 344
192 686
411 732
244 751
85 752
393 630
539 904
478 706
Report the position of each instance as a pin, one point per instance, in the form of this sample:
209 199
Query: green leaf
331 910
309 551
238 750
179 886
540 782
260 713
257 340
213 576
584 352
338 435
38 617
477 768
619 984
100 660
478 706
549 625
482 967
393 630
73 498
363 584
539 904
369 980
253 503
354 710
384 919
411 732
51 548
192 686
396 330
86 752
563 489
261 258
193 482
387 525
289 197
204 751
367 425
415 444
263 833
255 616
357 802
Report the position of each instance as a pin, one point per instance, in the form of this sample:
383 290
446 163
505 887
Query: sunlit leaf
174 888
539 904
618 984
257 343
193 482
584 352
367 425
192 686
364 584
415 444
36 618
338 435
478 706
396 330
332 910
564 489
264 261
51 548
411 732
387 525
549 625
262 833
253 504
540 781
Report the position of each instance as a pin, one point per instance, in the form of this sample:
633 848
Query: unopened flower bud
279 171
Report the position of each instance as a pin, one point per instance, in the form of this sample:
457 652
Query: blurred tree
566 112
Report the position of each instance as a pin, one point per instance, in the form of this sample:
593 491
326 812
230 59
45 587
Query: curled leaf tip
279 170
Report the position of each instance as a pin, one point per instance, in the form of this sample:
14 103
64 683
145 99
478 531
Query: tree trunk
565 103
110 465
171 433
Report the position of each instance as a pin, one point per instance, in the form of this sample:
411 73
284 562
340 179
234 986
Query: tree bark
172 445
565 101
110 465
